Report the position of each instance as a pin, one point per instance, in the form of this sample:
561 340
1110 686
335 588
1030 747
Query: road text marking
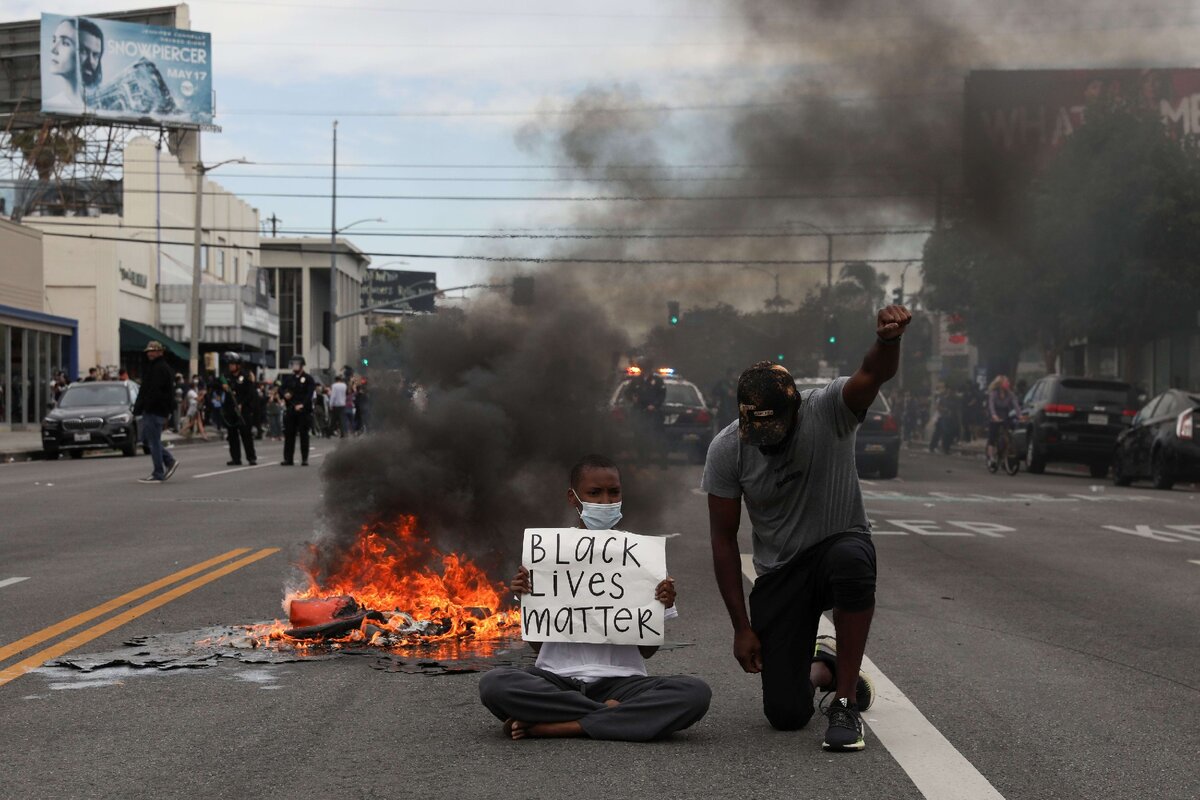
11 581
937 769
86 616
112 623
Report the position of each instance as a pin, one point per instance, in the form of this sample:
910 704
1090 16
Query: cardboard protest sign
592 586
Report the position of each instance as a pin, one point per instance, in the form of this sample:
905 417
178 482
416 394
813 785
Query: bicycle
1006 451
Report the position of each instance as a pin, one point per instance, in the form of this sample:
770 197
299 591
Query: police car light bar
633 371
666 371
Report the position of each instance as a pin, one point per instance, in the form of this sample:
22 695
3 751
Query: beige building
299 274
106 270
34 345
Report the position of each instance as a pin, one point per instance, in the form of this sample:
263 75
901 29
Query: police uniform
647 393
239 414
296 390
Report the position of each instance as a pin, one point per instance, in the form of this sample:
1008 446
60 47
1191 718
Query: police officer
238 410
647 392
297 392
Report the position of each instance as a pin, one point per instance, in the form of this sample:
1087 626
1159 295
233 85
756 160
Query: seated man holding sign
592 608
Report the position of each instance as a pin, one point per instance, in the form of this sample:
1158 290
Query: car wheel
76 453
1098 470
1119 478
1160 473
698 454
1035 459
129 450
51 453
890 469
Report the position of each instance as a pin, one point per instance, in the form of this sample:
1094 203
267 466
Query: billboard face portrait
122 71
62 88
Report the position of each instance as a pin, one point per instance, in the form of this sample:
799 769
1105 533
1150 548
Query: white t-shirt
337 395
192 397
587 662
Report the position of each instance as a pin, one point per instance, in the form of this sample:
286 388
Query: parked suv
91 416
877 439
1160 443
1075 420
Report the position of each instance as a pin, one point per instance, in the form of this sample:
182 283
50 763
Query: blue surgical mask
599 516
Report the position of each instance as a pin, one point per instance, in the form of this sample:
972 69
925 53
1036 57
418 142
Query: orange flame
425 595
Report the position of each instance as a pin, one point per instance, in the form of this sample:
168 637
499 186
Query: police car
688 422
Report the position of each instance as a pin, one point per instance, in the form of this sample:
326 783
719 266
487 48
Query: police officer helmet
298 359
232 358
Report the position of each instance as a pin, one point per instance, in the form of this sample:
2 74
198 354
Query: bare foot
547 730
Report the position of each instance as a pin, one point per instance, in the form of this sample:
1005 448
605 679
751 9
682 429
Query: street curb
29 454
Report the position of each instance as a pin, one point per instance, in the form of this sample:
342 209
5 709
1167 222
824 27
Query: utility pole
274 220
333 277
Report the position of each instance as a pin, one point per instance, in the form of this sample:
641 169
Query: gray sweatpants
650 707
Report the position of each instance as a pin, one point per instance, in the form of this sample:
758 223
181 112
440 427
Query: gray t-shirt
799 497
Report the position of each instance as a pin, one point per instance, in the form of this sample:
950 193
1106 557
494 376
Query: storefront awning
135 335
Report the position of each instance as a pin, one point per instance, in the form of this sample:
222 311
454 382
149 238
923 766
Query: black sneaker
826 653
150 479
845 731
233 463
171 471
287 463
304 463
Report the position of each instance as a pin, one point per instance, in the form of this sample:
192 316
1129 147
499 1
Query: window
236 273
205 265
221 263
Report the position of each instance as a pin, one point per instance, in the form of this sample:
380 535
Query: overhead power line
317 249
43 222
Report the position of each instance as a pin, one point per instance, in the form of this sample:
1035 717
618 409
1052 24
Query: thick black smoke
509 398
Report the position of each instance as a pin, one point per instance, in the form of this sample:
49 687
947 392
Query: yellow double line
60 648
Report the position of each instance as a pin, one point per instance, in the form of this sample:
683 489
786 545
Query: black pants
294 423
240 435
785 609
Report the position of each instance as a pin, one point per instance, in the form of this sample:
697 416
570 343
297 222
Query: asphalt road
1045 626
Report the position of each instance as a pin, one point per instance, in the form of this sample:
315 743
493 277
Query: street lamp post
333 274
828 249
777 301
197 327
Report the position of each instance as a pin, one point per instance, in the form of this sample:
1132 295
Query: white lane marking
235 469
11 581
1194 561
937 769
311 457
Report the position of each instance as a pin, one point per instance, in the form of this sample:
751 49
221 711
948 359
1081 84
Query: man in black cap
153 405
238 409
296 390
790 456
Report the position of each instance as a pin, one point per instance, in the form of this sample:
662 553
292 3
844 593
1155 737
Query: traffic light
831 338
522 291
779 358
673 312
898 296
366 362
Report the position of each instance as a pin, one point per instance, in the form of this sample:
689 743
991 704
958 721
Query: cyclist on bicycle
1002 407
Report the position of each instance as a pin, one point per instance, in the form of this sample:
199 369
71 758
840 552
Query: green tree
1107 246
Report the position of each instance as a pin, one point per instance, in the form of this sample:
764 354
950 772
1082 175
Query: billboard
385 286
1017 120
125 72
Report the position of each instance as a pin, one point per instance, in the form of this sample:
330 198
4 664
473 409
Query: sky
460 98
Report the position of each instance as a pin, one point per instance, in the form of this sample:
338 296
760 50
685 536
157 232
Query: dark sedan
91 416
877 440
1160 444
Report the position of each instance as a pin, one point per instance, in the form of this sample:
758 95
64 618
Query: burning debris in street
393 589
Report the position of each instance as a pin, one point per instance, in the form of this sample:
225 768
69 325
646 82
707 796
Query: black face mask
776 449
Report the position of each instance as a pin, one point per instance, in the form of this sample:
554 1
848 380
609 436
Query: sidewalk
27 445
